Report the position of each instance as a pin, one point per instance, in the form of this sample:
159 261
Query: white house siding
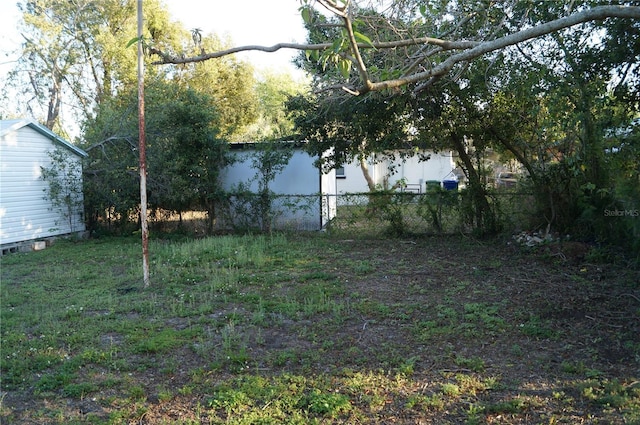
25 214
353 181
439 167
416 173
300 177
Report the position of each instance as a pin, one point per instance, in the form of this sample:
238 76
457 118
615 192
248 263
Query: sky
262 22
9 38
246 22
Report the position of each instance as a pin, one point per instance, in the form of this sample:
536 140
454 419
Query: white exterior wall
25 214
353 180
439 167
299 177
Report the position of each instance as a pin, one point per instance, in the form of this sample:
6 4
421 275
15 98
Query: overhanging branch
595 14
468 50
168 58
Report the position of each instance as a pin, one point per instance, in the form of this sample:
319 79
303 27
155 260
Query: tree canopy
273 89
184 153
541 83
74 55
421 41
77 54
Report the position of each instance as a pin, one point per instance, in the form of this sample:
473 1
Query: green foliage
272 90
273 329
432 206
475 364
184 154
52 382
79 390
64 178
326 404
538 328
613 394
74 54
390 207
157 341
228 83
257 209
572 102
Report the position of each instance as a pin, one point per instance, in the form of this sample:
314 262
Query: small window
340 173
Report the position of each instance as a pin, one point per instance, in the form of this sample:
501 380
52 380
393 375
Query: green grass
285 329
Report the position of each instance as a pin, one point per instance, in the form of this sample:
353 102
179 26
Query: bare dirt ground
549 328
542 321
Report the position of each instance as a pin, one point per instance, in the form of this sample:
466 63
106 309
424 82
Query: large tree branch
595 14
469 49
360 65
169 58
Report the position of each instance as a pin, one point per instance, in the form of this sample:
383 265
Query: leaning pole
143 156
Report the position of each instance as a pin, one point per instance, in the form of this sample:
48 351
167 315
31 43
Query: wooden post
143 157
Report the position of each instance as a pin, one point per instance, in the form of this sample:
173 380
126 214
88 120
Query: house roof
8 126
252 145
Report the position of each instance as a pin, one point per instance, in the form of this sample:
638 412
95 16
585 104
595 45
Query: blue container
450 184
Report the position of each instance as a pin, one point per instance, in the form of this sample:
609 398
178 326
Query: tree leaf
132 41
306 14
336 46
362 38
345 68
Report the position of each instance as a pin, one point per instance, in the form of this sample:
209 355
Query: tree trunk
367 175
211 216
54 103
483 217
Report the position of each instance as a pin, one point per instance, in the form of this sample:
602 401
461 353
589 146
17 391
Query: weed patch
291 329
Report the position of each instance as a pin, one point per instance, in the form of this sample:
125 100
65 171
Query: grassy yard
314 329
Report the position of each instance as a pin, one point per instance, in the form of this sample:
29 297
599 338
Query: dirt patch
442 311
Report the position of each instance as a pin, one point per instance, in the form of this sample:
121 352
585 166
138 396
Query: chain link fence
434 212
380 214
370 214
249 211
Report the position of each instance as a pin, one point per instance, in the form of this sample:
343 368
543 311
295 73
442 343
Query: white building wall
25 214
299 177
439 167
352 180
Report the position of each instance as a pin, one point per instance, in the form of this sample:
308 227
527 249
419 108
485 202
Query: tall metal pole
143 155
